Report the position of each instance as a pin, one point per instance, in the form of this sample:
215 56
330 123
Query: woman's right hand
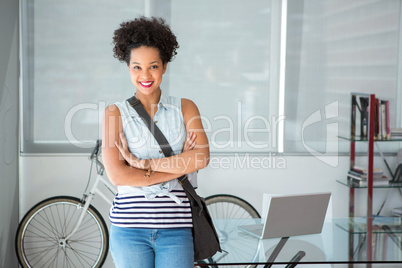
128 156
189 144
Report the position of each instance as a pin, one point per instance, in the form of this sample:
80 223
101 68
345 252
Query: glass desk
340 242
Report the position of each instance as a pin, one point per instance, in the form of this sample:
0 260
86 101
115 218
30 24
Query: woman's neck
150 102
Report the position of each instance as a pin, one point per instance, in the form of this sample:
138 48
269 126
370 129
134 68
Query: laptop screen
291 215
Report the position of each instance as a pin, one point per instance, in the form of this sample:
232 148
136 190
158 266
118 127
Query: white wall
45 176
67 175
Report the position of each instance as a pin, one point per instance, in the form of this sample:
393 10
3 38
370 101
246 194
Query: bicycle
65 231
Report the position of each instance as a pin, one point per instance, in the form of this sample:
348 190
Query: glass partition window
334 48
224 66
70 74
228 63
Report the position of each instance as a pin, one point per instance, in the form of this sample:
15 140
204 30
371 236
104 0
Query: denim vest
143 145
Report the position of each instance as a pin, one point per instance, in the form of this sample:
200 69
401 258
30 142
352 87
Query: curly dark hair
143 31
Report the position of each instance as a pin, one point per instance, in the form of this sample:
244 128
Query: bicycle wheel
223 206
241 248
40 236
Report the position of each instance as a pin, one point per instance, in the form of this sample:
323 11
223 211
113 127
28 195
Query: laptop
291 215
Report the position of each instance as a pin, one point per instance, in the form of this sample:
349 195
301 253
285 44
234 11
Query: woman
151 216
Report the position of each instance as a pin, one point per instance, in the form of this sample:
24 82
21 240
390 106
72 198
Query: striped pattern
162 212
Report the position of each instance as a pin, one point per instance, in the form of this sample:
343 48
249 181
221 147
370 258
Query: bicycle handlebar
94 157
96 149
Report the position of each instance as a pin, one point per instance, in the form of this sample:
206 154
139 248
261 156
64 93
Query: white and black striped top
161 212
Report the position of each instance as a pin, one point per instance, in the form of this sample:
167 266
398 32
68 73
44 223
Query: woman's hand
128 156
133 161
189 144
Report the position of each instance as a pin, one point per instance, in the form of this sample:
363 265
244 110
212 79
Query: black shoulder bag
206 241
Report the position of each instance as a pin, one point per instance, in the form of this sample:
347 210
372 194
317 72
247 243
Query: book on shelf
363 170
364 176
353 118
383 118
396 132
382 130
387 121
376 182
360 178
377 121
364 112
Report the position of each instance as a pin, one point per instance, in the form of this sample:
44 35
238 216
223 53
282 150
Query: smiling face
146 70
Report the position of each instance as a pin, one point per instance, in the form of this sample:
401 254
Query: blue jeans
149 248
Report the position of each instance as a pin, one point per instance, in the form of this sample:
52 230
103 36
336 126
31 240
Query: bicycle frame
87 198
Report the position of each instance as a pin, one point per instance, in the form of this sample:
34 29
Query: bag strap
163 143
183 180
156 132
